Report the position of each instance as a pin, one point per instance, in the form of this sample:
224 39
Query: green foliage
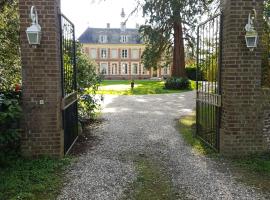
10 113
159 32
209 67
192 73
31 179
266 46
10 67
88 106
178 83
255 163
158 51
88 82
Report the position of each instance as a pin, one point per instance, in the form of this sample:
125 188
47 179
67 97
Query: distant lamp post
34 31
251 34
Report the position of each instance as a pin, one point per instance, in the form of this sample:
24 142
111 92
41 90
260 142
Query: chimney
123 26
137 26
108 26
123 14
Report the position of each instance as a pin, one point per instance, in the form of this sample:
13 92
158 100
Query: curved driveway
146 125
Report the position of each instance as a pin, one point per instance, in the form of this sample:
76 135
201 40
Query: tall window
93 53
103 68
144 70
124 53
124 68
103 53
114 53
135 53
124 39
134 68
165 70
103 39
114 69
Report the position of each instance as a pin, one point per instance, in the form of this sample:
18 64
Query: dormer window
103 39
124 39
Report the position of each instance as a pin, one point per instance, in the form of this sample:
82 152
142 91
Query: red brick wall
41 80
241 130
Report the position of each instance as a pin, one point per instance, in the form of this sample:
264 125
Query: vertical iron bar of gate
69 82
197 79
74 61
61 55
219 78
75 74
208 103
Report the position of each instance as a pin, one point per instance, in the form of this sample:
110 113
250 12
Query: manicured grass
142 87
32 179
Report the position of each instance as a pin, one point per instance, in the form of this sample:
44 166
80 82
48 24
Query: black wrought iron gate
208 99
69 84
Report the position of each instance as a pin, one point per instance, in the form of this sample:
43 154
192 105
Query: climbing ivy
10 66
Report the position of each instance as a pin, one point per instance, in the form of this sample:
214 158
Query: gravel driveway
146 125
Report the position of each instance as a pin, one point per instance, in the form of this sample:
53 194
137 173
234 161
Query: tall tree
170 25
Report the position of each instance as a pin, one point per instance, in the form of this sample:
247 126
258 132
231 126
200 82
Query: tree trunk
178 69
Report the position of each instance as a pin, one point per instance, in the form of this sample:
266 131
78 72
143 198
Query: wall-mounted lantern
251 34
34 31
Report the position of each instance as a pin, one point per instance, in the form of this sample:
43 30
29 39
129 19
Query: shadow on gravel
87 140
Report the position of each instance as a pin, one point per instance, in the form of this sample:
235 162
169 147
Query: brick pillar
241 126
41 81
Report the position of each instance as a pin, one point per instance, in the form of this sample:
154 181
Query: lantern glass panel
33 38
251 41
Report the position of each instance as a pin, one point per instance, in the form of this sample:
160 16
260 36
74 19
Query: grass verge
252 170
32 179
142 87
254 163
152 182
187 126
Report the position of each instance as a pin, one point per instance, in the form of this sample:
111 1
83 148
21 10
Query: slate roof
91 35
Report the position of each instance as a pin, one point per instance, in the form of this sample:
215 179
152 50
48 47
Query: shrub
192 73
10 113
88 82
177 83
87 107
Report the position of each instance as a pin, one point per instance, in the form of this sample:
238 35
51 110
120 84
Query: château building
117 52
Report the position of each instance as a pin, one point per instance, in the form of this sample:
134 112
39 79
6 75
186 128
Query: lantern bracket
251 36
34 31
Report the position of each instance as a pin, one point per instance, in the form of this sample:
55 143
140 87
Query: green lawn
122 87
31 179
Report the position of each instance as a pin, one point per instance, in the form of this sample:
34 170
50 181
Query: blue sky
97 13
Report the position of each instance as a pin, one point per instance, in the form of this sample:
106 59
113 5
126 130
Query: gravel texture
146 125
